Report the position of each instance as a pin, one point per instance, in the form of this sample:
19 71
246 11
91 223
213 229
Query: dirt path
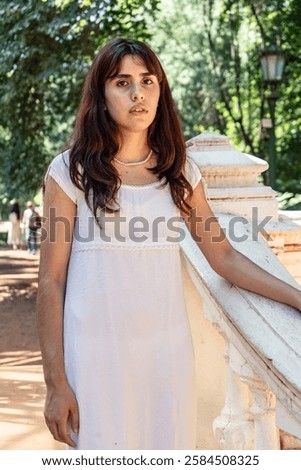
22 389
18 283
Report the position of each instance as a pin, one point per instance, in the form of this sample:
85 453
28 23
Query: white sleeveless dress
127 341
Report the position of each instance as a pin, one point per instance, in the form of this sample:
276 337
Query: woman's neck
134 147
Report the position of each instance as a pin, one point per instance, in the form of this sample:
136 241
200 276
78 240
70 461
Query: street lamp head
272 63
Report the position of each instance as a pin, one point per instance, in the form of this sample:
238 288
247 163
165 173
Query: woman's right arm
59 215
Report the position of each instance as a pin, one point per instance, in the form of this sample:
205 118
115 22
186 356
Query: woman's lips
137 110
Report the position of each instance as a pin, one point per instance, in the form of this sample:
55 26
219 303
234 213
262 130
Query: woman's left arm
227 261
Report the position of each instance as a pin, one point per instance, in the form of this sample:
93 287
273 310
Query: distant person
14 231
31 223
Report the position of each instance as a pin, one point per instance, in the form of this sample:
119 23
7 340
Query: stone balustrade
248 350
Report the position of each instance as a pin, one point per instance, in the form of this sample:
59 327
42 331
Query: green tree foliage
211 49
46 48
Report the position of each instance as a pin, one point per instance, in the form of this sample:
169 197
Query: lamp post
272 63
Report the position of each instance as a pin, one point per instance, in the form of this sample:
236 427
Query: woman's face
132 96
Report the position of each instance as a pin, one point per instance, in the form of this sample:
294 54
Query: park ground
22 390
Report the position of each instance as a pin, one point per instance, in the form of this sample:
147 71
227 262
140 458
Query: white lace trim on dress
111 246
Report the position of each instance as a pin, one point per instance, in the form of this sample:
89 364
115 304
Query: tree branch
261 29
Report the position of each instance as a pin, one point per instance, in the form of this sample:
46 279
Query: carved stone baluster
266 433
233 429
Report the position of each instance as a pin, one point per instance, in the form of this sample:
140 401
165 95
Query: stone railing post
234 428
248 418
263 410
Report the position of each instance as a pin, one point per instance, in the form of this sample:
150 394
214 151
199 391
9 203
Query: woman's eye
124 83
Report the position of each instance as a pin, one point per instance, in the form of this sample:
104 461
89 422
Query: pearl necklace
134 163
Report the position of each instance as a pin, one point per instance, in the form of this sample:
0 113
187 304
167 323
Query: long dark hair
95 139
16 209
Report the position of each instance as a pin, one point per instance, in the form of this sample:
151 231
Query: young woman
115 339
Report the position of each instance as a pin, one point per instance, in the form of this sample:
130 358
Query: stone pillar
232 178
233 187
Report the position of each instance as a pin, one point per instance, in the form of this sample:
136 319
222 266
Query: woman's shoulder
62 160
59 170
192 172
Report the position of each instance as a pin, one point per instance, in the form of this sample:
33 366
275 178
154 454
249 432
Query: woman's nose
137 94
